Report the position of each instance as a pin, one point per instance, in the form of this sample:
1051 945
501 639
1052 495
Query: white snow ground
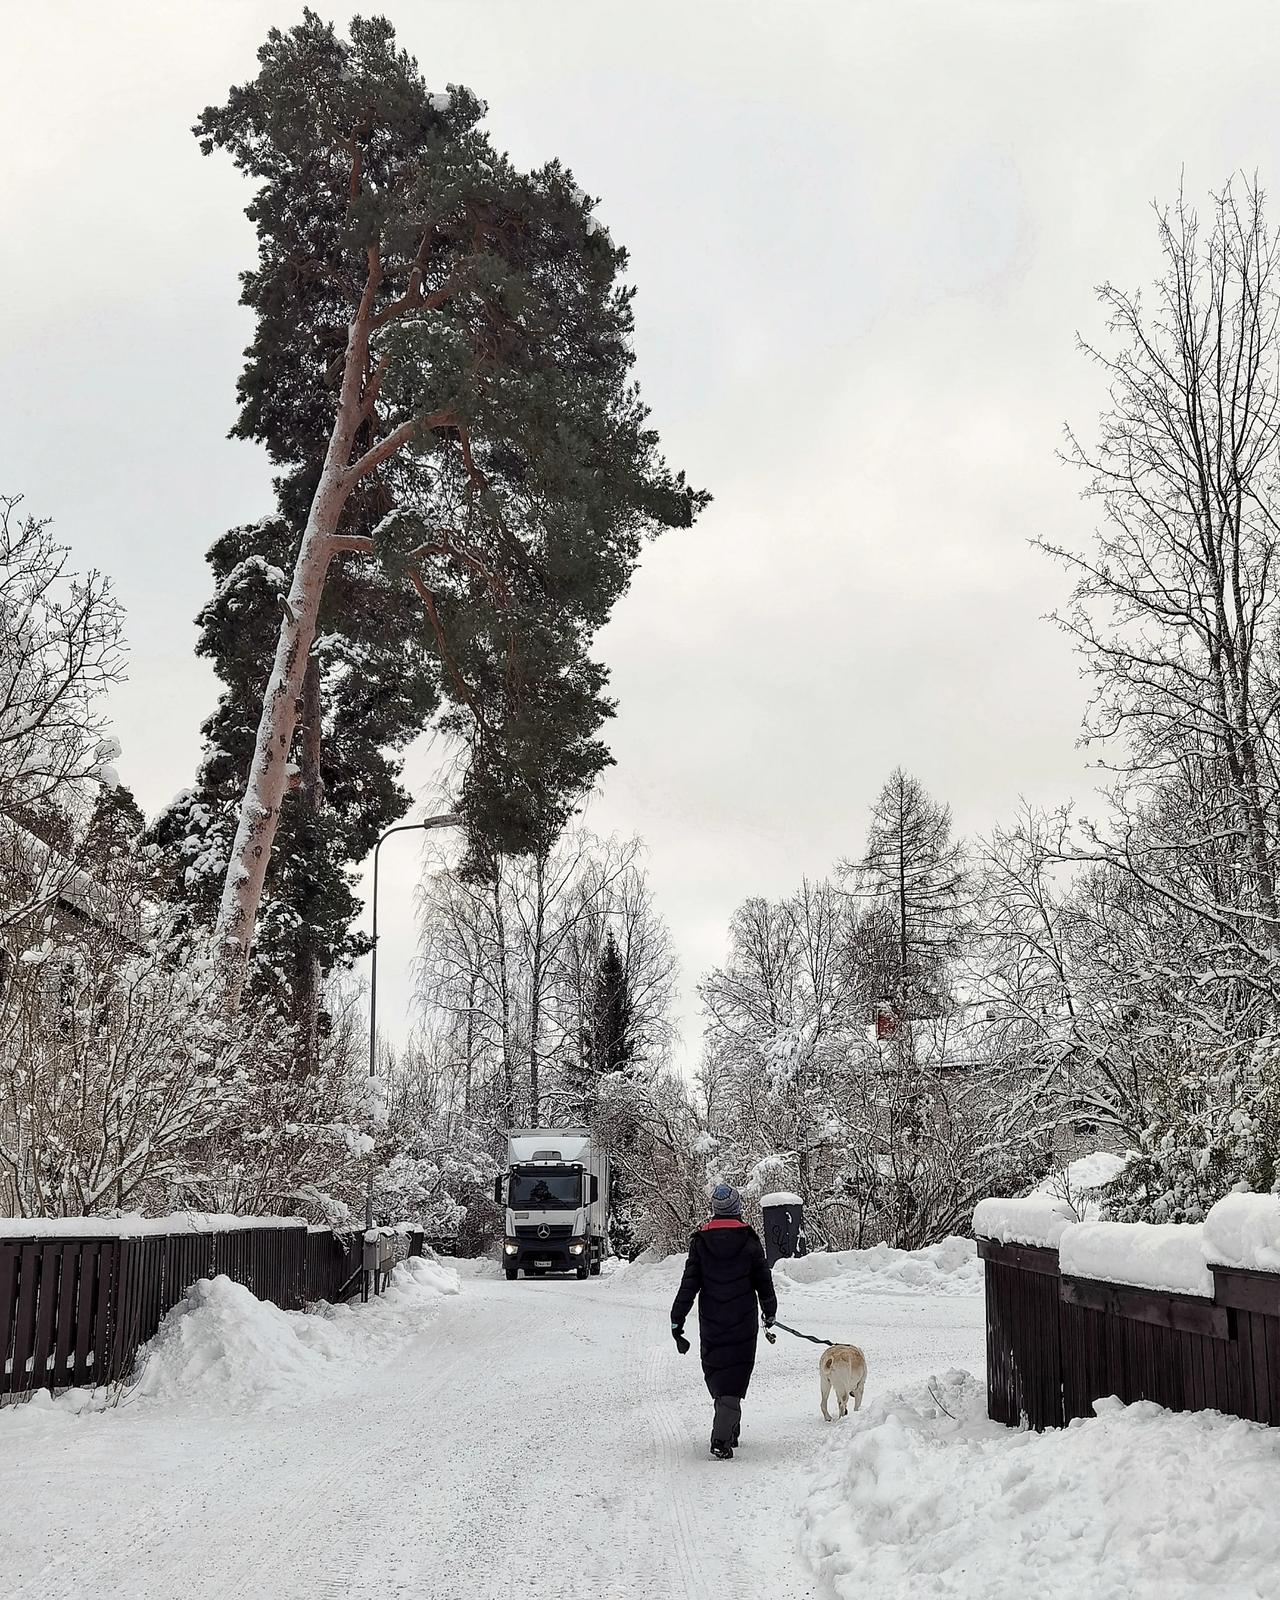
539 1438
545 1438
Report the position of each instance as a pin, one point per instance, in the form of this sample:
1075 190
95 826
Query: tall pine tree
444 339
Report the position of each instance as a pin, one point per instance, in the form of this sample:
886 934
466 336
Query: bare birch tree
1174 610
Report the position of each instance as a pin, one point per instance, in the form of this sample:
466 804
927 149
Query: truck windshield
545 1191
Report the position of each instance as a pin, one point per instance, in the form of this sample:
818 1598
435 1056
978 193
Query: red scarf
723 1222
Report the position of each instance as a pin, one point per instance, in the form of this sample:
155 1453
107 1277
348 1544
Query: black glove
677 1333
769 1334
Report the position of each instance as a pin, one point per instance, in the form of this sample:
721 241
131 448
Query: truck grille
555 1230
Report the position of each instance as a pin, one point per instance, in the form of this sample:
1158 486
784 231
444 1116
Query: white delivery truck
556 1194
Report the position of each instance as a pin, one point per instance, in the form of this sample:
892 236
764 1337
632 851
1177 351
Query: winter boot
726 1426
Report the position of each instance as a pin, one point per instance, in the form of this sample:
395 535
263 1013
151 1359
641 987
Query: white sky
863 236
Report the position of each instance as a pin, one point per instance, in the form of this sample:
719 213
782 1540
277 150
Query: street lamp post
425 826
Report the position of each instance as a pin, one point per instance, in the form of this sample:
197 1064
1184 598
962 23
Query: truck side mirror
497 1191
595 1190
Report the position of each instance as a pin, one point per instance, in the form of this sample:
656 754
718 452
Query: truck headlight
511 1247
577 1247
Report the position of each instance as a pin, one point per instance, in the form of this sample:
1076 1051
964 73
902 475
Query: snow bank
471 1266
223 1350
1037 1219
1243 1230
951 1267
652 1271
1139 1503
1153 1255
135 1225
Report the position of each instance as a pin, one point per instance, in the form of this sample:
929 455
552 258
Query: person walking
727 1274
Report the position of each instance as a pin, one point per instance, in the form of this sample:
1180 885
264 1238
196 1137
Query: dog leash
795 1332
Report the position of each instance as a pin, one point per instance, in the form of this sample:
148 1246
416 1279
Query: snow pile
1243 1230
133 1225
652 1271
226 1350
1086 1173
781 1197
951 1267
1037 1219
1153 1255
1138 1502
223 1350
471 1266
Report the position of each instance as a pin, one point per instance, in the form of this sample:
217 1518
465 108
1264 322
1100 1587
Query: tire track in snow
301 1559
671 1450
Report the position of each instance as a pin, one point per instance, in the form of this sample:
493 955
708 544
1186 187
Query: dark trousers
727 1421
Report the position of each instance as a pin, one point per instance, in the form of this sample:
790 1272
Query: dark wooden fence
1056 1344
75 1310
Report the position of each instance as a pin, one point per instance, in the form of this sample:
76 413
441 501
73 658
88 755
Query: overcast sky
864 237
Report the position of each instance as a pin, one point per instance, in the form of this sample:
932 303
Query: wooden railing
74 1310
1055 1343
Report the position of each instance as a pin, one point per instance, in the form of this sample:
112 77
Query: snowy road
539 1438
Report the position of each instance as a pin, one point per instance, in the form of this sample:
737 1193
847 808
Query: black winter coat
727 1273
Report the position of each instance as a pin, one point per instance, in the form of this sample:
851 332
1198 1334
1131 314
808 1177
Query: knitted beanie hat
726 1201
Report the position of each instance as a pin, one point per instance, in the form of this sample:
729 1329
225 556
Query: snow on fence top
1169 1256
1039 1219
1241 1231
1053 1205
783 1198
134 1226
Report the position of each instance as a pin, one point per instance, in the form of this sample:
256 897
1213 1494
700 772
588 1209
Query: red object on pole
886 1021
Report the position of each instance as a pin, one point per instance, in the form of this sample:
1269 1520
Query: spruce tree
912 874
444 341
608 1048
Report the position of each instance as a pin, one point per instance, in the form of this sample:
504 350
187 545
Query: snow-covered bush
112 1072
60 650
1215 1125
432 1186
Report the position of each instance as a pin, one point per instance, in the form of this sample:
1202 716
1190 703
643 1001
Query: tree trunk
535 990
269 771
268 777
472 983
504 1000
310 796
